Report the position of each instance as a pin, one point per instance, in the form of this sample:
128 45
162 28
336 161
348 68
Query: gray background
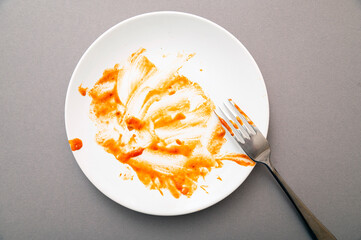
310 55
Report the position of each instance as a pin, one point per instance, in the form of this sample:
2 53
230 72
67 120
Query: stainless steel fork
256 146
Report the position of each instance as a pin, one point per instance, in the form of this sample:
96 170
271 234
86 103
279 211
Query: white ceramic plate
228 71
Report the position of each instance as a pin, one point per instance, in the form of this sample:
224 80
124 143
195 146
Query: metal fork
256 146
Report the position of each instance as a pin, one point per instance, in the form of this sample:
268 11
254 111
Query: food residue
204 188
82 90
75 144
241 159
239 120
225 124
234 124
219 178
201 70
159 123
127 174
243 113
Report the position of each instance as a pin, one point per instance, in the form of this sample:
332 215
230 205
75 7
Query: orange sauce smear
82 90
239 120
225 124
219 178
134 137
243 113
204 188
234 124
241 159
75 144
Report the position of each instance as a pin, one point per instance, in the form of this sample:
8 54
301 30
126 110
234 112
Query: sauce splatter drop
75 144
82 90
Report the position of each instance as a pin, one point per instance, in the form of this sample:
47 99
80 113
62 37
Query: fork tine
246 121
239 139
240 128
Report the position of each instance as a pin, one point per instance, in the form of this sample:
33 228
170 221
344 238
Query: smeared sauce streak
82 90
225 124
239 120
243 113
145 119
204 188
241 159
75 144
234 124
219 178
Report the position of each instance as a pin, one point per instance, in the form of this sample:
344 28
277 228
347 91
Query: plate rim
137 17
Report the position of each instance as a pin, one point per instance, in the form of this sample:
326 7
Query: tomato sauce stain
243 113
75 144
82 90
154 128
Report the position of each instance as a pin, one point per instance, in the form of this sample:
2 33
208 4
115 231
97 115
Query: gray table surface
310 55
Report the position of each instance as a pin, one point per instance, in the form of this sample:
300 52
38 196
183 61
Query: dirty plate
228 71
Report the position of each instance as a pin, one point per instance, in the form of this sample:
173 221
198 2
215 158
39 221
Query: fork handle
316 228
